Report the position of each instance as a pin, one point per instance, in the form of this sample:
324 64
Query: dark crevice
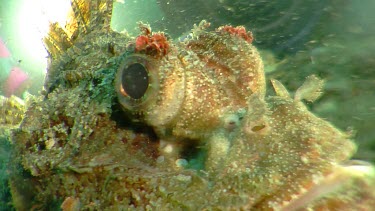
195 153
125 120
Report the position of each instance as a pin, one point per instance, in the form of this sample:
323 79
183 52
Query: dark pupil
135 80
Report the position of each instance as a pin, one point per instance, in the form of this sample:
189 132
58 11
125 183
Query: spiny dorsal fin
57 40
92 15
85 16
80 15
101 14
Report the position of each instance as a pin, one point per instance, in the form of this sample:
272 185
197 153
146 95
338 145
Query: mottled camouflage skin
79 147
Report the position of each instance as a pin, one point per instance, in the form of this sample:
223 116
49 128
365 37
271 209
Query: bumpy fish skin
77 149
12 111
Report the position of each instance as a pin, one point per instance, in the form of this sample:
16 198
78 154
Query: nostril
258 128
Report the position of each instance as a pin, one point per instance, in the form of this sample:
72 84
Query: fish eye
136 81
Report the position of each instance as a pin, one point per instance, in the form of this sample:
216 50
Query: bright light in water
33 21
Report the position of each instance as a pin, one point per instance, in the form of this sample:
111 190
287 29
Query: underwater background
333 39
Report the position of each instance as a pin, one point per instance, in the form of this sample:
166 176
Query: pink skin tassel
4 52
16 78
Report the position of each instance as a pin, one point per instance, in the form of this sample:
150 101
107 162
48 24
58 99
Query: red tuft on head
153 44
238 31
141 43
